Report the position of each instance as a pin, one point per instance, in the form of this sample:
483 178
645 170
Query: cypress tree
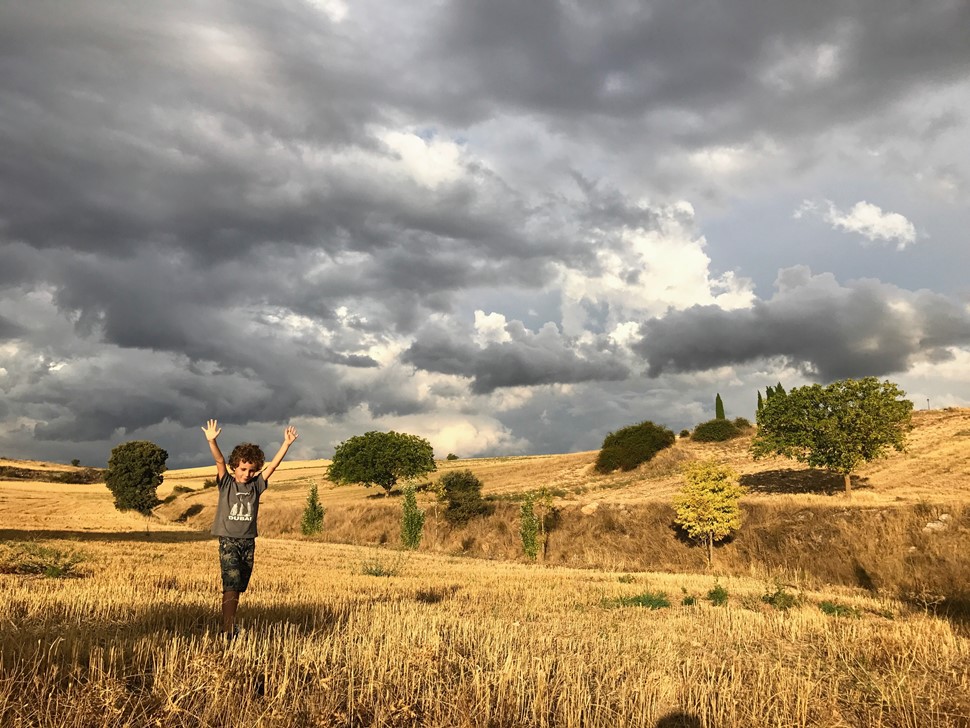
718 407
312 520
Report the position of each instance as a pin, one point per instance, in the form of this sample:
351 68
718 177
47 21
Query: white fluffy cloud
645 272
864 218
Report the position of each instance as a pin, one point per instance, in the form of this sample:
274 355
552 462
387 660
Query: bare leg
230 602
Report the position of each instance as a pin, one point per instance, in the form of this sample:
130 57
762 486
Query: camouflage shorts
236 559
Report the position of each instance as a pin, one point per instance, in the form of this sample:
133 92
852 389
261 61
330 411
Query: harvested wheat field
110 619
341 635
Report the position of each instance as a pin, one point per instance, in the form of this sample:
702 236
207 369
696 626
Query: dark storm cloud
831 331
751 64
10 329
90 399
192 130
529 359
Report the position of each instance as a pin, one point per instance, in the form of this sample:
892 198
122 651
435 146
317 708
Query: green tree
412 520
708 506
718 407
630 446
838 427
134 474
312 521
381 458
761 401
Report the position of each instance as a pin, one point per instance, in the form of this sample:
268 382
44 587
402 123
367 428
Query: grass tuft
30 558
650 600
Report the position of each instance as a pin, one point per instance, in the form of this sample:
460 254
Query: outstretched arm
289 436
212 431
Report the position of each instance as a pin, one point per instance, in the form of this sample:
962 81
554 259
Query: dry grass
452 642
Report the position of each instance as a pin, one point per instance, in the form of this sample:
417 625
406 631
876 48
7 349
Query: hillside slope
935 468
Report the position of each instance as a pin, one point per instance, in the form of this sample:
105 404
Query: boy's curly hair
249 453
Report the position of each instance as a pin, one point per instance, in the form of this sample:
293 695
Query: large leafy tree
708 507
381 458
837 427
134 474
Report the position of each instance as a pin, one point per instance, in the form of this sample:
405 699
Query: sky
508 227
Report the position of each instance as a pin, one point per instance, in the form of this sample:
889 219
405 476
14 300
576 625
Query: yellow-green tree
708 506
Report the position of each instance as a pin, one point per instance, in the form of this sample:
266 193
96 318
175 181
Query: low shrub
30 558
715 431
779 597
718 596
84 476
835 609
685 433
377 565
650 600
631 446
462 493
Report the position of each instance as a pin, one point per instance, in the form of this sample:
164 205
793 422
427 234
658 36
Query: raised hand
289 435
212 430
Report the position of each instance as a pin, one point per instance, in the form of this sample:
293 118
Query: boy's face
244 472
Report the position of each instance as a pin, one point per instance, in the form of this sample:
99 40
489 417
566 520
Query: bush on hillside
715 431
631 446
79 477
462 492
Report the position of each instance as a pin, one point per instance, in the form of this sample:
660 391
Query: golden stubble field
344 635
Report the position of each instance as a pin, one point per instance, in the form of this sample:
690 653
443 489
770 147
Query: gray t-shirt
238 507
